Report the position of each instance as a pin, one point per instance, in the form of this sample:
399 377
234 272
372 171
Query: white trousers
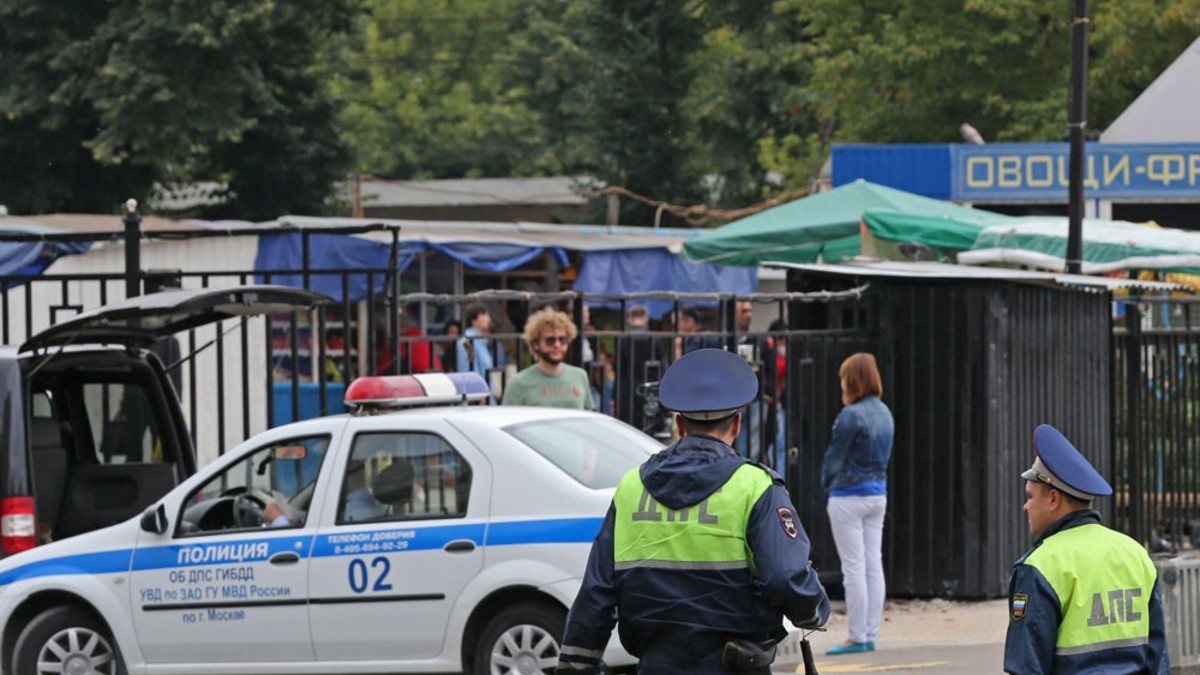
857 525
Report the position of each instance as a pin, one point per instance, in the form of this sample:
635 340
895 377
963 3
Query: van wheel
66 640
521 640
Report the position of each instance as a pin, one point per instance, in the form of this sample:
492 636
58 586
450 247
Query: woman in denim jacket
854 474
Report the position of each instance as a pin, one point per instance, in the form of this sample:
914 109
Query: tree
914 70
424 95
104 99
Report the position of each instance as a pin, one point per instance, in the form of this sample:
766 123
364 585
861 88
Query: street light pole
1077 125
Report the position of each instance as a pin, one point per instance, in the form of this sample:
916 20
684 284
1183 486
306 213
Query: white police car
431 539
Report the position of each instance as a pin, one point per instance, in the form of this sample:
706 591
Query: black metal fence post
1133 418
133 250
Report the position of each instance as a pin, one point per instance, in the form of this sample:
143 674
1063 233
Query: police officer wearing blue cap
700 548
1085 598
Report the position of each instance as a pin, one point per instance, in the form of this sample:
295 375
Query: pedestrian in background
550 382
477 352
452 330
639 359
700 547
854 473
777 349
760 416
1084 599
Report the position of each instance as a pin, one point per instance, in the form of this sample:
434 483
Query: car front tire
66 640
522 640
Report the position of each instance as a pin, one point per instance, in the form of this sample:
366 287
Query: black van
91 430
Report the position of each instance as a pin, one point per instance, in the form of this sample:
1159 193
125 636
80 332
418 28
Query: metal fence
246 375
1156 459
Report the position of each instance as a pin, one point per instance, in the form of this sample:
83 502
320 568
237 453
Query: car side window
271 487
403 476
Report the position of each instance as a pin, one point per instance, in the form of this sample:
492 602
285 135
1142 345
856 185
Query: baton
810 666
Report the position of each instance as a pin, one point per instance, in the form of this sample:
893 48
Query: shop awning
1107 246
820 227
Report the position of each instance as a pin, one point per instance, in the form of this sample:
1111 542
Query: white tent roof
574 237
1167 111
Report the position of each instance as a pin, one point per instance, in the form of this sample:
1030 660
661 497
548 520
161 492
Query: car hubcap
77 651
524 650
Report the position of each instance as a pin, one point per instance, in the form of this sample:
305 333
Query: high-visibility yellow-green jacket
700 546
1085 599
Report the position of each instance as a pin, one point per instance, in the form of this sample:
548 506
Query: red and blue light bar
398 391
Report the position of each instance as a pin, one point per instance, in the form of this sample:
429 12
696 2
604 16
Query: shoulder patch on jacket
1017 606
787 520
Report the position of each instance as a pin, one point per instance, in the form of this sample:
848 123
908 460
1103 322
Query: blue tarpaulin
284 252
657 269
30 258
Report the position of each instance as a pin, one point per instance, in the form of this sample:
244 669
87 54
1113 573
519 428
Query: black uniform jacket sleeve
781 557
1032 623
1159 664
593 615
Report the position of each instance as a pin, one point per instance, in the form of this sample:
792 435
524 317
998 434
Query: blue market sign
1024 172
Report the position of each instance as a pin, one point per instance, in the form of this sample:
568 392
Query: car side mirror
154 519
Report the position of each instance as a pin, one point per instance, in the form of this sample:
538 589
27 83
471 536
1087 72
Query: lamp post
1077 127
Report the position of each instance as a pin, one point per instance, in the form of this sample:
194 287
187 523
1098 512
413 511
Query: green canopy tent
1107 246
944 233
822 226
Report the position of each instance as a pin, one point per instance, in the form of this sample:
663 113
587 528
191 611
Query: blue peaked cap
1060 465
708 384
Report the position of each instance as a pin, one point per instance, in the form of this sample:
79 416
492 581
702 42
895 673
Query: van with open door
91 429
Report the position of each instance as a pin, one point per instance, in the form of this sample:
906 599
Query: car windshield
595 451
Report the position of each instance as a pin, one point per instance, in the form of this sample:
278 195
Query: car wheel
66 640
521 640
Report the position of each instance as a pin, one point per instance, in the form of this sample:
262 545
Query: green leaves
138 91
686 102
914 70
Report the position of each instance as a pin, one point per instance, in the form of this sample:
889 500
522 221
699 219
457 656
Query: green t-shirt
533 387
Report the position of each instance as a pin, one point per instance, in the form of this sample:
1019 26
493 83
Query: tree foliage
914 70
424 96
690 101
102 99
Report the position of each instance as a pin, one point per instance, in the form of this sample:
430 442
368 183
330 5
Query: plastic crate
310 401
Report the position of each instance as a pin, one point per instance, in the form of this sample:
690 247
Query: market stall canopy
820 227
30 244
1108 246
614 259
942 233
615 273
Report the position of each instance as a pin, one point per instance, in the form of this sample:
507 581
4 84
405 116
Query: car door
401 538
227 583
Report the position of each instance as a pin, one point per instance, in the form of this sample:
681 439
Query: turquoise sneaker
851 648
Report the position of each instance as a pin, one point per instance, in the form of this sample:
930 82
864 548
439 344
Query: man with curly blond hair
550 382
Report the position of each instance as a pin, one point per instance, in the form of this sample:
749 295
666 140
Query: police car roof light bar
384 392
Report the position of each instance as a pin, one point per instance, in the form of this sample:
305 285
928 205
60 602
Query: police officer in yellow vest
1085 599
700 547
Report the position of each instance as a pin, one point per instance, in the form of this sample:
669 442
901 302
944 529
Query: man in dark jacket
1084 599
700 547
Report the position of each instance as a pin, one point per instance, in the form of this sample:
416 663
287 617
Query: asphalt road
951 660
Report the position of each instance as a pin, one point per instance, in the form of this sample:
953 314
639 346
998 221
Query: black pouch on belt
746 656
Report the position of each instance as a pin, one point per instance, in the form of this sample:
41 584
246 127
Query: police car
443 539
